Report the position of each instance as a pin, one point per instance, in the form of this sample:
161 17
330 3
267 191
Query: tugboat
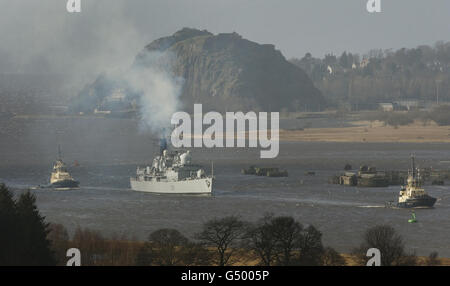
413 195
60 178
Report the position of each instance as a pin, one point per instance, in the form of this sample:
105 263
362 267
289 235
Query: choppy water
342 213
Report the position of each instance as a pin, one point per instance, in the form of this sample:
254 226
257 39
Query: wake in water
372 206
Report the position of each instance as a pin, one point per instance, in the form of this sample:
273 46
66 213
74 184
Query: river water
105 202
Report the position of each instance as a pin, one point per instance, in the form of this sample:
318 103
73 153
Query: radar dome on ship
186 158
200 173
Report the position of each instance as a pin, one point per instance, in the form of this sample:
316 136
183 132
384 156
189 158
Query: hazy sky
41 36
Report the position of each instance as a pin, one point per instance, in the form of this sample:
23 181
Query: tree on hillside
385 239
274 239
283 241
260 238
287 233
8 228
23 240
197 255
34 244
92 246
224 235
390 244
421 73
167 246
345 61
331 257
432 259
311 247
143 256
59 238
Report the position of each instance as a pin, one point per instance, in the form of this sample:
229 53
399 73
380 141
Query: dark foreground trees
59 238
168 247
165 247
224 236
331 257
432 259
23 239
390 244
97 250
284 241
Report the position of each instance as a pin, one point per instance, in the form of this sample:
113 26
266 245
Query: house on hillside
407 104
386 106
364 63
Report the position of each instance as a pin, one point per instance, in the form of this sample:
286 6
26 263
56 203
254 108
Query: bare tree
433 259
310 247
386 239
91 244
59 238
287 233
261 239
331 257
283 241
167 247
196 254
223 234
144 255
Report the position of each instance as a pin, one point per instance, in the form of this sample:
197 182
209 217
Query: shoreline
371 132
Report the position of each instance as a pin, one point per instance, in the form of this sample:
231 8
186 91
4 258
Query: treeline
26 239
223 241
421 73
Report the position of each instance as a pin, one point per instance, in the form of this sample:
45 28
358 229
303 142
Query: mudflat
365 131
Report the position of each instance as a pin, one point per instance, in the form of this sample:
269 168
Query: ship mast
413 165
59 152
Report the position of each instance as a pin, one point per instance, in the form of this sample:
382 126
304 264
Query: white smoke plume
159 89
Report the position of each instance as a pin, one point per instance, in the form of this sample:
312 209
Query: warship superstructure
413 195
172 172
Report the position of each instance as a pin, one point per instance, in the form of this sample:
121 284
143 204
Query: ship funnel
162 145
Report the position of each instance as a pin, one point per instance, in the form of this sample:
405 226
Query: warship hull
194 186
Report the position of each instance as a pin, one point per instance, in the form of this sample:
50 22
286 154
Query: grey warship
172 172
413 195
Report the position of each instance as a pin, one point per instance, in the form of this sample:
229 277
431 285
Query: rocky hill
226 72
